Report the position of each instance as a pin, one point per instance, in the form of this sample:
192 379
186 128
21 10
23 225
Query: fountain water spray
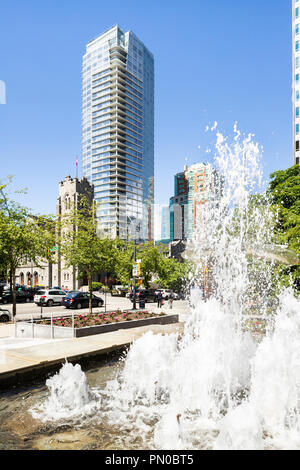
219 386
69 396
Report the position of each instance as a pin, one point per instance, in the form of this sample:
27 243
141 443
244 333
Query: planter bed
86 325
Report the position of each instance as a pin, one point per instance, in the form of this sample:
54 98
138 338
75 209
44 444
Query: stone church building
48 274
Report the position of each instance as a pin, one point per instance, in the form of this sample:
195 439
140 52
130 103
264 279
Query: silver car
49 297
5 315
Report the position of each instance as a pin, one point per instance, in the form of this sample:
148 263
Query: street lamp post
137 229
105 292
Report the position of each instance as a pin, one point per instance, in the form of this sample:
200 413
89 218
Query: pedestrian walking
170 300
159 299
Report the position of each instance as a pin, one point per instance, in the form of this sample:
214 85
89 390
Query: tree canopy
81 246
284 190
23 236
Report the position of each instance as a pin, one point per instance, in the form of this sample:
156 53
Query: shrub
96 285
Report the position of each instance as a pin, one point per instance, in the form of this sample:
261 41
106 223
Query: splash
222 385
69 396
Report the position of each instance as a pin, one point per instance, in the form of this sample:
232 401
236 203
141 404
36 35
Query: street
26 310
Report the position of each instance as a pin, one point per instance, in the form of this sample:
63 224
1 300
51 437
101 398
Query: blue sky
215 60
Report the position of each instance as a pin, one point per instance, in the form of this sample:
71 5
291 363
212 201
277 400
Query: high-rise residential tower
296 81
196 185
165 223
118 132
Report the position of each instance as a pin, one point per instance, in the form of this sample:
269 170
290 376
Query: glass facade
165 223
197 185
296 81
118 132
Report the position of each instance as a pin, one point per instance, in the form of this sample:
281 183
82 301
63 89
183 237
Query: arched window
28 279
67 202
35 278
22 279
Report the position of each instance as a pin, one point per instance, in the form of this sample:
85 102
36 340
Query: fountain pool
73 425
218 386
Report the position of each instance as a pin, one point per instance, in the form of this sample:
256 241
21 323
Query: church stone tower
70 192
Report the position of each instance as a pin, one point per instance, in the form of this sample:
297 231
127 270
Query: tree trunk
90 279
10 280
14 291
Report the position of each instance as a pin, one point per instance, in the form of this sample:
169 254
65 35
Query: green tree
169 273
152 258
284 189
173 274
80 245
23 237
124 260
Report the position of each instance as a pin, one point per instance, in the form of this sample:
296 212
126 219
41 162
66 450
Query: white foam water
219 386
69 396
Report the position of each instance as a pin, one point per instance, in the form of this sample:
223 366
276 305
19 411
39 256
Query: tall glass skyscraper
118 132
296 81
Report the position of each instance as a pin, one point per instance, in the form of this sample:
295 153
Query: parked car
36 289
181 296
5 315
49 297
21 296
175 296
166 293
158 290
149 295
81 300
32 290
119 291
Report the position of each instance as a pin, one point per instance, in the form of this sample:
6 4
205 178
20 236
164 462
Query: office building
193 187
165 223
296 81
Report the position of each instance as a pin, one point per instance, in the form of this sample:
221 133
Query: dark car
181 296
148 295
35 290
32 290
21 296
81 300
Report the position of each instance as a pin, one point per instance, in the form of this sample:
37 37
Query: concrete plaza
19 356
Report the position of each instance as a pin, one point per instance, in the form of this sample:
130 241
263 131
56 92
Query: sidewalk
184 313
7 330
37 355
